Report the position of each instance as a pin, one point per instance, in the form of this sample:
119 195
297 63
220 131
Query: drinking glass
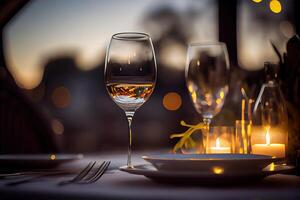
207 72
130 73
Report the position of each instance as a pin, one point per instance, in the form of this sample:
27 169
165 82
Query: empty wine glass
130 73
206 76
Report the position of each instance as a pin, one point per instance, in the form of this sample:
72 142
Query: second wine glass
130 73
206 74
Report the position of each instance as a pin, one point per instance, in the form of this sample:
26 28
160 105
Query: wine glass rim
203 44
135 36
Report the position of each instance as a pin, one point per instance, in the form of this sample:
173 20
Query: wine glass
206 74
130 73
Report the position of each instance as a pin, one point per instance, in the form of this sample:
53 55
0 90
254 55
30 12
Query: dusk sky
49 28
53 27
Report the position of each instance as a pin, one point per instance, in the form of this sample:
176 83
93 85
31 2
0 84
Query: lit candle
277 150
219 149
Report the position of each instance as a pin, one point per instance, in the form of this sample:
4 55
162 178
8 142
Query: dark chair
23 129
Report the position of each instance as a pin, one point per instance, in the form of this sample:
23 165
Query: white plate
17 161
210 162
192 177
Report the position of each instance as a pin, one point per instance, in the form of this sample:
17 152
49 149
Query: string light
275 6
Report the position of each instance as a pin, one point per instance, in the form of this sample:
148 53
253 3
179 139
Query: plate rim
154 172
266 157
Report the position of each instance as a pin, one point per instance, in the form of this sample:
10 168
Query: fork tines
86 176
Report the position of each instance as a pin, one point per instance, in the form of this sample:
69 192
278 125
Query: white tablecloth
120 185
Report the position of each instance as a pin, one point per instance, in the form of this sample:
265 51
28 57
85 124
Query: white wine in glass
130 96
130 73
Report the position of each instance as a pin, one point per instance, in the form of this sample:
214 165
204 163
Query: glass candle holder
269 140
242 136
220 140
269 135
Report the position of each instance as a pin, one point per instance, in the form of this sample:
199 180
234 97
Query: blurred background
55 51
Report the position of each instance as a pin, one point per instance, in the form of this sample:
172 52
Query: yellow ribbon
186 140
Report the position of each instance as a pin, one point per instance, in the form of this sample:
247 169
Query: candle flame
218 143
268 139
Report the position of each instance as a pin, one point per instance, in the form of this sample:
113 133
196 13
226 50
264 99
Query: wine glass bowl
207 77
130 73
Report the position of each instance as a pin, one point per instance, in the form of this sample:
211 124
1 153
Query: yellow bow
186 141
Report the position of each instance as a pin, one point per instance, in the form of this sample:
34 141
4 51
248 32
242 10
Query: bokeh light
57 127
172 101
61 97
257 1
275 6
218 170
52 157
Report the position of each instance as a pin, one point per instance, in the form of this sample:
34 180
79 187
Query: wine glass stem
129 116
206 122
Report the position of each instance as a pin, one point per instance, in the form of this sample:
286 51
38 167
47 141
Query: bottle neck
271 73
271 82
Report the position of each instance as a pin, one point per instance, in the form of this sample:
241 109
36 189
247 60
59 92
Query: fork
81 177
85 177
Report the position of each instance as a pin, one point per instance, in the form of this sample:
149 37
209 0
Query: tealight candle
219 149
276 150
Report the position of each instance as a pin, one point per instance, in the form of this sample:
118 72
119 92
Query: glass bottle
269 134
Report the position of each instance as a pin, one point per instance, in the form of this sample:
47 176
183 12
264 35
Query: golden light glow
222 95
218 101
61 97
198 63
218 170
52 157
57 127
194 96
218 143
272 166
26 77
190 88
172 101
257 1
275 6
268 139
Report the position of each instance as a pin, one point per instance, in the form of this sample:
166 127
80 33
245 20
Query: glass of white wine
130 73
207 79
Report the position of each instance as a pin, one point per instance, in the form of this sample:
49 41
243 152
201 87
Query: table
120 185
